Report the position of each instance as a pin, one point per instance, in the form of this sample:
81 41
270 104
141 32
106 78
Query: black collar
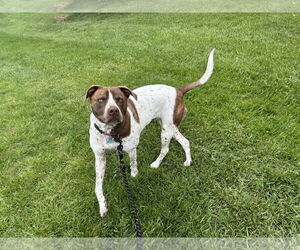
116 137
103 132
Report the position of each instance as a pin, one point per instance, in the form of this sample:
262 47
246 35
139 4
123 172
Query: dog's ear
127 92
90 92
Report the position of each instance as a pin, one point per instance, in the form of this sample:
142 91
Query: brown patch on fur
127 92
123 129
179 108
188 87
120 95
97 107
133 110
90 92
120 98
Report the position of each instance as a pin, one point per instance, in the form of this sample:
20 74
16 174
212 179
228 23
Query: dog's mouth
112 119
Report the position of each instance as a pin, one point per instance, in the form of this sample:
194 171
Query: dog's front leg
100 171
133 162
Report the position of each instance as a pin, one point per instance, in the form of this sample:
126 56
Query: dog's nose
113 111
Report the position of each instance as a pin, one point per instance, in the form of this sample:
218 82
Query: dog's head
109 104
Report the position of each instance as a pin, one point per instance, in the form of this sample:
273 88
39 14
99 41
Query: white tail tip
209 68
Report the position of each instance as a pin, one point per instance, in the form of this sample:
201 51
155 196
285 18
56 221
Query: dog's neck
116 129
107 128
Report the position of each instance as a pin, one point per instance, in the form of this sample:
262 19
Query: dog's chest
103 142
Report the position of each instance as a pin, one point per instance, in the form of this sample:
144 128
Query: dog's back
155 101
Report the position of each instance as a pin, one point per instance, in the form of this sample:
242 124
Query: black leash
133 209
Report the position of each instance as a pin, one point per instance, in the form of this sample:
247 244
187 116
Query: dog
121 112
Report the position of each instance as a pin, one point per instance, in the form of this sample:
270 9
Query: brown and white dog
118 111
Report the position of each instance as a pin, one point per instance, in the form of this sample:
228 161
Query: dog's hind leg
185 145
166 136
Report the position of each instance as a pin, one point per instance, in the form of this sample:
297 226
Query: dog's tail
205 77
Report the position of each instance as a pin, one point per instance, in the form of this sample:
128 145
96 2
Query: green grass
243 124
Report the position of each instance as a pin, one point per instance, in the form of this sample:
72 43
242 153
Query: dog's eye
120 100
101 100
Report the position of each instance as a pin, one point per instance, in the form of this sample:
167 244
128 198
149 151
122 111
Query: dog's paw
133 173
103 209
154 165
188 163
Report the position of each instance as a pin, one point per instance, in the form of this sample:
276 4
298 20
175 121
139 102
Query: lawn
243 124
